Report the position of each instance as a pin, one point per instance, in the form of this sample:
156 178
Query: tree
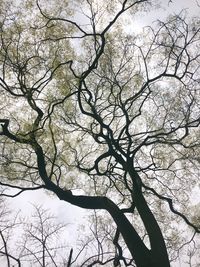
7 228
38 245
87 106
36 239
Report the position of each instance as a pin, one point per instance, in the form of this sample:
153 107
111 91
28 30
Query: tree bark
141 254
143 257
159 255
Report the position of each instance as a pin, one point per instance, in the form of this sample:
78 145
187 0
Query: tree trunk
159 255
142 256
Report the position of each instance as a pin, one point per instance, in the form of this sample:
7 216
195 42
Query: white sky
174 7
64 211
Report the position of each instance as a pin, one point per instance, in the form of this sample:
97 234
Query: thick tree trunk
139 251
143 257
159 253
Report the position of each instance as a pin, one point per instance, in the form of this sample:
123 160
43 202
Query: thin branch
169 201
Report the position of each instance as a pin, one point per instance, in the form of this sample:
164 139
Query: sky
66 212
175 6
166 8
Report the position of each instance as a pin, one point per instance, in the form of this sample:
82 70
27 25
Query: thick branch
136 246
4 125
158 247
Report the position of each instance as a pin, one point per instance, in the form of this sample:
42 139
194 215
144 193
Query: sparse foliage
105 120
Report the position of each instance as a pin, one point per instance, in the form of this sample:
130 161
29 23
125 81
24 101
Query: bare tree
7 230
39 244
87 106
37 239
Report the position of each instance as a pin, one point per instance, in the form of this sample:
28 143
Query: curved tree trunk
143 257
156 257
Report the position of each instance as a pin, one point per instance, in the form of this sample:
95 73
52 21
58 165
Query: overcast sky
64 211
166 8
39 197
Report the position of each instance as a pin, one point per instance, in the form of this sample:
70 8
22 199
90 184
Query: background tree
7 230
87 106
37 239
41 243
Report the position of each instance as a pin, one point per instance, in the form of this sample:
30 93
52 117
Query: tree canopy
106 120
